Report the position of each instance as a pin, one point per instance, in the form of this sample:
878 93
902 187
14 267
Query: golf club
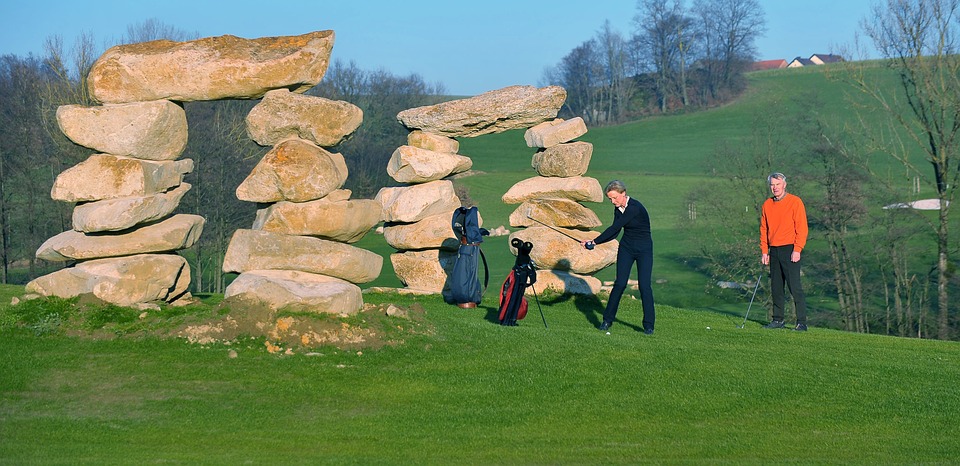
751 303
590 244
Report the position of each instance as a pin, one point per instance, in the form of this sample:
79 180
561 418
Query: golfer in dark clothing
636 246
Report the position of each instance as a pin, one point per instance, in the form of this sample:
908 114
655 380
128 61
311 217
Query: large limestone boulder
434 142
410 204
562 213
264 250
283 114
119 280
564 282
551 133
563 160
496 111
552 250
297 291
125 212
212 68
410 164
154 130
575 188
337 220
175 233
295 170
424 270
104 176
433 232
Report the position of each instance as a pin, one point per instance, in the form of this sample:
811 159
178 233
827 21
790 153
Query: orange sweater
782 223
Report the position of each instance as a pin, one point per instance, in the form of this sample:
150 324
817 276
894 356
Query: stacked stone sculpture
297 255
417 215
551 212
124 239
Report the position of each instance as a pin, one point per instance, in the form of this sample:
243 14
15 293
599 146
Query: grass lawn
463 390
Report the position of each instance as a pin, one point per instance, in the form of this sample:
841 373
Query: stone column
297 255
123 235
551 210
123 238
419 215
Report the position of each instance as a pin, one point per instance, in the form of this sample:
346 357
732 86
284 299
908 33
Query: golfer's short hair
777 175
615 185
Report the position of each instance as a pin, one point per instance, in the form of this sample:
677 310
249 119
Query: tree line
676 58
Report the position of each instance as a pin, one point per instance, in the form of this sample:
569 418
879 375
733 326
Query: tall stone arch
417 215
123 237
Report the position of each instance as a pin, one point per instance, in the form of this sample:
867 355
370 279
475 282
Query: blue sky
470 47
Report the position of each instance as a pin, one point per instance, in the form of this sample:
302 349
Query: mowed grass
700 390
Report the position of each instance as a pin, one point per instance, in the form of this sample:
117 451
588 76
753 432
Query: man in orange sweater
783 234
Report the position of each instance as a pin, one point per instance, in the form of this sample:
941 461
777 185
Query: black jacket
634 221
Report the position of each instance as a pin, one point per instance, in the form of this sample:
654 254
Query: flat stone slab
336 220
424 270
574 188
178 232
104 176
408 204
262 250
283 114
212 68
126 212
298 291
496 111
119 280
562 213
564 282
155 130
410 164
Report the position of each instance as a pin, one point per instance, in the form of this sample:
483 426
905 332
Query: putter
590 244
751 303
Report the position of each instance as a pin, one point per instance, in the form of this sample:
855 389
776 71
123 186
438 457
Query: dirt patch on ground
373 327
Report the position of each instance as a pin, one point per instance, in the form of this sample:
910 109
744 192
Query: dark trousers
782 270
627 255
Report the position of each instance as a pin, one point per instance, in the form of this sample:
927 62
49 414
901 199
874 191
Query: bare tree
617 87
662 32
579 73
917 40
154 29
728 30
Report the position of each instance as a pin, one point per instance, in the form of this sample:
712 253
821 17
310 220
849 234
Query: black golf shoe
774 324
800 328
648 331
605 326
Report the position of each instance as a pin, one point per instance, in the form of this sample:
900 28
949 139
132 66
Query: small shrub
99 317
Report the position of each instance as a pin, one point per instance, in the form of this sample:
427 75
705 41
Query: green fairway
468 391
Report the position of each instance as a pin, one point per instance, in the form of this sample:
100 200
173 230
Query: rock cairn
417 215
554 198
297 255
124 239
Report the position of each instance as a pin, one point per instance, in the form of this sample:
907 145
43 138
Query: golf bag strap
486 271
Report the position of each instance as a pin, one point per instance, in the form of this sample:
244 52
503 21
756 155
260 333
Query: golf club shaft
751 302
555 229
